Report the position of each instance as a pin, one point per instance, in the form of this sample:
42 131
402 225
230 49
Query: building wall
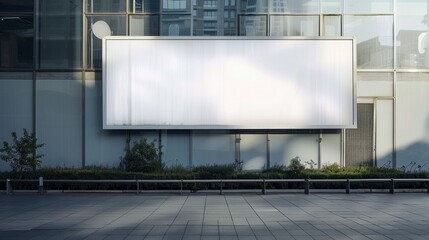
50 77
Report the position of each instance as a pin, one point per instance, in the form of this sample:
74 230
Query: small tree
142 157
21 153
295 166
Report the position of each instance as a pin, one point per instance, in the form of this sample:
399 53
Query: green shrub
143 157
295 166
21 153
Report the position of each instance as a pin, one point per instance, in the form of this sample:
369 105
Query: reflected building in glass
51 72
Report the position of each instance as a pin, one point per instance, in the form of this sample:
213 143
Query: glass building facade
50 79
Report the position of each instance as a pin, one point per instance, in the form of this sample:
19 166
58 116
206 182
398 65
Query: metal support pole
220 193
40 185
392 186
263 186
9 187
348 186
307 186
137 187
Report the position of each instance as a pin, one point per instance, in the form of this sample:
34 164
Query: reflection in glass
411 34
16 41
144 25
374 40
254 6
105 6
332 25
175 5
332 6
294 26
116 25
14 6
213 18
253 26
368 6
60 46
176 25
143 6
293 6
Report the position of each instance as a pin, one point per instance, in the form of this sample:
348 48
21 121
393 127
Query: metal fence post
348 186
9 187
392 186
40 185
137 187
263 186
306 186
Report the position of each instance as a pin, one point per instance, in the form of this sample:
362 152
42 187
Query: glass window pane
97 28
374 40
105 6
176 6
144 25
284 147
175 148
411 35
212 147
16 41
368 6
16 94
294 26
294 6
332 26
102 148
14 6
59 118
253 152
253 26
60 46
332 6
254 6
143 6
176 25
374 84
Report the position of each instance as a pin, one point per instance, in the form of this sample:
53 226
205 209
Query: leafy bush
143 157
331 168
295 166
21 153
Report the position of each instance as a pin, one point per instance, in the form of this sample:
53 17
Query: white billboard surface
228 83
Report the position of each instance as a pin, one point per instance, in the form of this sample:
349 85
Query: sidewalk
201 216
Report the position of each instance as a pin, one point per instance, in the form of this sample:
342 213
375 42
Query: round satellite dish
101 29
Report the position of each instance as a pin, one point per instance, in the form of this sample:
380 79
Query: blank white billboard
228 83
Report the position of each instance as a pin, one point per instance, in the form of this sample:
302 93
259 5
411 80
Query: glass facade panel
102 148
176 25
330 149
143 6
368 6
332 6
59 118
16 41
331 26
97 28
412 119
254 6
16 94
176 6
176 148
212 148
294 6
253 152
411 34
144 25
384 133
13 6
105 6
253 26
374 36
294 26
284 147
374 84
60 46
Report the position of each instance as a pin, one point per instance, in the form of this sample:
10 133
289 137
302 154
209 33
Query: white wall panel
163 83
